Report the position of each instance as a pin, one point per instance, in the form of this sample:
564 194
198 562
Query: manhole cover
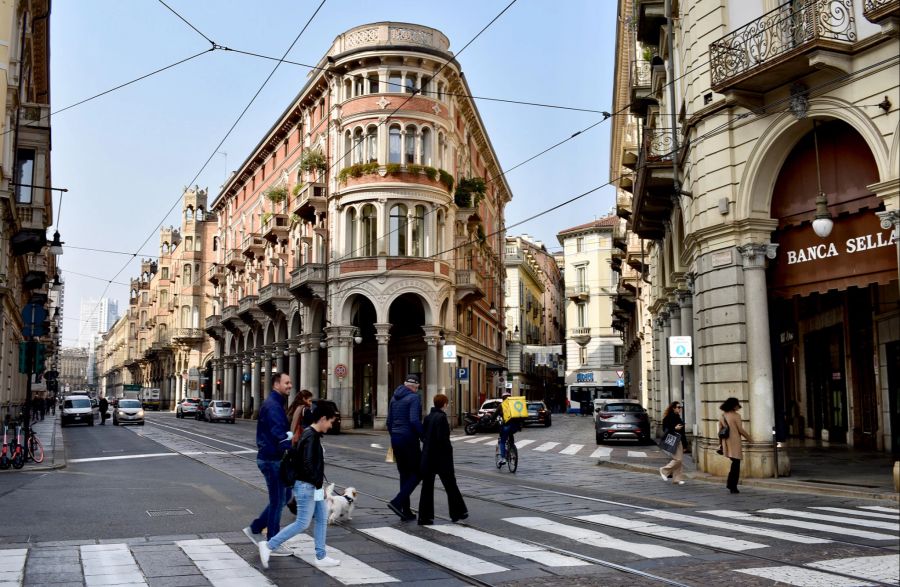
173 512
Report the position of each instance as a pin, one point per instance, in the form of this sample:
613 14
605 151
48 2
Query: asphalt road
641 530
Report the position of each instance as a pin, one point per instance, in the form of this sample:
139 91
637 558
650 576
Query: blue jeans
506 431
270 518
307 509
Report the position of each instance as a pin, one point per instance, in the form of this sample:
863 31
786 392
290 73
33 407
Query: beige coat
731 446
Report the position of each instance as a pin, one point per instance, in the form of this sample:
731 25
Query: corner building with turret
361 239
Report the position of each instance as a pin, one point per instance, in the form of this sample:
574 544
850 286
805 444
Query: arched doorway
365 362
825 293
406 350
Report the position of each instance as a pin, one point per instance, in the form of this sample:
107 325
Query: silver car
128 411
219 410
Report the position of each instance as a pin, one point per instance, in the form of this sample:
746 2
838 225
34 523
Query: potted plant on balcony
469 192
266 217
313 159
277 195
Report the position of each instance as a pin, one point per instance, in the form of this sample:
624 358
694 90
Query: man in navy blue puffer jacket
404 423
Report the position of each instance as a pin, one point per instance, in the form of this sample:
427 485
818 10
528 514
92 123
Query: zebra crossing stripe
440 555
479 439
836 519
802 577
571 449
885 569
828 528
734 526
110 564
524 550
523 443
856 512
601 453
12 566
546 446
637 454
878 508
594 538
455 438
350 572
723 542
221 566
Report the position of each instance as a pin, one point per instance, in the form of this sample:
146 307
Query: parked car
488 407
219 410
537 414
77 409
201 409
128 411
336 427
621 419
187 407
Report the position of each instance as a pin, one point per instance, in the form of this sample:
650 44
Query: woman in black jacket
437 459
308 491
673 424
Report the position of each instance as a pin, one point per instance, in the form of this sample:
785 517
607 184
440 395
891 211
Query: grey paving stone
183 581
171 570
45 578
67 543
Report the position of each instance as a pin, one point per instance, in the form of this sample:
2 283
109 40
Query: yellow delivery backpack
514 407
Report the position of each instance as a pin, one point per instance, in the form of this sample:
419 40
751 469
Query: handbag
287 471
389 457
671 442
724 430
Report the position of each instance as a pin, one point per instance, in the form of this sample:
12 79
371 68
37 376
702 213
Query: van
77 409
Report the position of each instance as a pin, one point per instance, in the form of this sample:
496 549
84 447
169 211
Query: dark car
336 427
201 409
537 414
621 419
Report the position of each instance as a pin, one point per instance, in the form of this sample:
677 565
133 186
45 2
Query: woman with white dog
308 491
437 459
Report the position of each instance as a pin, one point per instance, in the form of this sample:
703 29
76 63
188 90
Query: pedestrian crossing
521 543
603 452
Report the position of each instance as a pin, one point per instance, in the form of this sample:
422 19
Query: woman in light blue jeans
307 509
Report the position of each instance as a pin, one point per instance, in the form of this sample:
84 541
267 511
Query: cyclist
507 429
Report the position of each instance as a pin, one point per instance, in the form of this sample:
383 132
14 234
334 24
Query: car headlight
140 414
121 413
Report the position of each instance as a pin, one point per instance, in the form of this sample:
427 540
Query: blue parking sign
462 373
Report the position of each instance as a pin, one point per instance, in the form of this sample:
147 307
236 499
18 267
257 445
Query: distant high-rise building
96 316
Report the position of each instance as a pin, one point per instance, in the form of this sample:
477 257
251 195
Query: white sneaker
264 553
502 462
681 482
280 551
663 475
255 538
327 562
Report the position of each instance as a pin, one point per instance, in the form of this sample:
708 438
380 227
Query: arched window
394 146
195 317
439 237
348 88
398 227
163 297
186 274
369 230
358 146
199 214
348 149
189 214
418 232
215 243
372 144
425 147
188 243
442 151
352 223
143 319
185 316
410 145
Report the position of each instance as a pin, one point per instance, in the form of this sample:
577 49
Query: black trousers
454 498
734 474
408 457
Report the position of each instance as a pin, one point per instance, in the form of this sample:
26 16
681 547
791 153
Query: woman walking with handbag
730 432
437 459
674 424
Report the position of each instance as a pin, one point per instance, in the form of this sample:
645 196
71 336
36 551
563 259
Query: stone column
312 364
228 381
266 365
653 406
281 350
382 391
664 390
247 387
256 358
214 384
890 219
691 398
432 337
674 370
340 352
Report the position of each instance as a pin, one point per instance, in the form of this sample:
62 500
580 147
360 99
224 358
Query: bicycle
35 448
512 454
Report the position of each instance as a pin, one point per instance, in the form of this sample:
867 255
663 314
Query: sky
125 157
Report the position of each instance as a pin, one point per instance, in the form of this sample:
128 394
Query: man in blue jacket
273 437
404 423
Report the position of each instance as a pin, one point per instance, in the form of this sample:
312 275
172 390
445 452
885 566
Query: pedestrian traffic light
40 356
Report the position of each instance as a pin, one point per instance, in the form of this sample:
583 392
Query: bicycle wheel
512 457
36 449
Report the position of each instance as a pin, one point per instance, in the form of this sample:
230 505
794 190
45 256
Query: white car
77 409
128 411
489 407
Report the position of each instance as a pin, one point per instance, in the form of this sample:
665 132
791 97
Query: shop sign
584 377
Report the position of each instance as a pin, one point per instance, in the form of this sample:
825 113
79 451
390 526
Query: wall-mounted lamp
493 309
442 340
56 244
357 339
823 223
57 284
323 344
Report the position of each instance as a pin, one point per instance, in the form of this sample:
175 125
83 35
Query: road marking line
351 571
836 519
12 566
856 512
594 538
212 438
546 446
479 439
220 565
754 531
523 443
571 449
124 457
445 557
455 438
724 542
802 577
878 508
885 569
602 452
637 454
243 452
375 445
732 514
524 550
110 564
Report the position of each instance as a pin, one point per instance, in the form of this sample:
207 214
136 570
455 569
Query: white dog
340 507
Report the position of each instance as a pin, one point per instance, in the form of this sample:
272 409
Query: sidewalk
49 432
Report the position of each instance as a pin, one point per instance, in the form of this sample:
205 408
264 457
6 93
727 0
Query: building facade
759 170
26 265
535 320
594 351
73 369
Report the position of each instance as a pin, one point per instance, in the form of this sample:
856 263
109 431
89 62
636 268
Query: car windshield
78 403
129 403
191 401
536 406
223 404
630 408
490 405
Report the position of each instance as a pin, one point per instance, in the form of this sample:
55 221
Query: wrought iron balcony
276 227
774 49
879 10
578 292
641 91
654 183
469 286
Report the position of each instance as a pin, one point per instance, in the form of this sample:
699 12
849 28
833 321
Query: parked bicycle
17 450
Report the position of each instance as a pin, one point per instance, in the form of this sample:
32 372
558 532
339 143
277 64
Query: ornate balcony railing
640 73
779 34
877 10
658 144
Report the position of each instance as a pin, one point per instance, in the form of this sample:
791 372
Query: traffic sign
680 350
131 387
340 370
620 382
34 316
462 373
449 353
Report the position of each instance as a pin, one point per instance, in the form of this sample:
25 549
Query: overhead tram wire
185 21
